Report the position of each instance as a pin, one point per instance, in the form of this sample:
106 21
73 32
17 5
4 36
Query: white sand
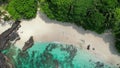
46 30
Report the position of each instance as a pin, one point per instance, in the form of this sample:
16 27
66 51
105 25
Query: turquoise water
54 55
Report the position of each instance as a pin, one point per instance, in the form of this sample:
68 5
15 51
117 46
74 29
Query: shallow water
54 55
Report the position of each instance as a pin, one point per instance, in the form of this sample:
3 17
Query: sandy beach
46 30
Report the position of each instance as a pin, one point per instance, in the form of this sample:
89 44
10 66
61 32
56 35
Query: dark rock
90 60
93 48
9 35
88 47
5 38
13 36
3 62
99 65
28 44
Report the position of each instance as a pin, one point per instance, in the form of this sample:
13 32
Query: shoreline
46 30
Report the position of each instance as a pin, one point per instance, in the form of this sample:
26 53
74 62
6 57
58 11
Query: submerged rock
34 58
4 63
99 65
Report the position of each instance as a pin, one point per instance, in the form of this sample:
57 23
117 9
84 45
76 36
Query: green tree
80 8
57 9
81 12
95 22
107 7
25 9
87 15
116 29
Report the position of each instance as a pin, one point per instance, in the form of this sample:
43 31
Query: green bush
57 9
22 9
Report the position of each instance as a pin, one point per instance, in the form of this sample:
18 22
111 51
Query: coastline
46 30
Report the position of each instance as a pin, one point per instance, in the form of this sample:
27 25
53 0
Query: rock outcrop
28 44
9 35
5 38
3 62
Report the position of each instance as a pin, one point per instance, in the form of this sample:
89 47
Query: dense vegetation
95 15
22 9
116 29
87 13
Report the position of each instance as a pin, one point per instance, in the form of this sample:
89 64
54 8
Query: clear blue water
54 55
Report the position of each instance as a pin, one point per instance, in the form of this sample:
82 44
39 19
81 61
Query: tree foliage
91 14
57 9
95 15
116 29
25 9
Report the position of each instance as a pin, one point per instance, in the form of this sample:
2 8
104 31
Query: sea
54 55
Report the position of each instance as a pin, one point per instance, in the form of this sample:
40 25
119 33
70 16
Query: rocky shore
7 38
3 61
9 35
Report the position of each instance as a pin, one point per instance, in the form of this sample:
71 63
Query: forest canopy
25 9
95 15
